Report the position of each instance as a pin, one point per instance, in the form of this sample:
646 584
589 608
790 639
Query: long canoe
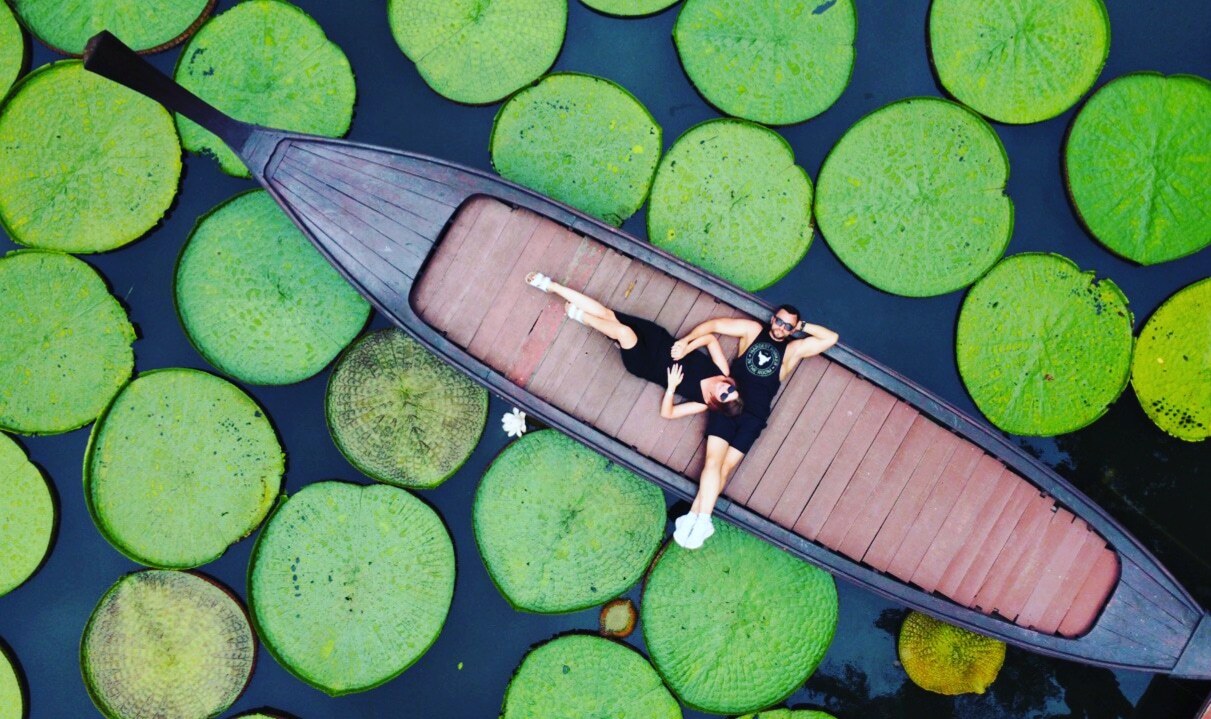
860 471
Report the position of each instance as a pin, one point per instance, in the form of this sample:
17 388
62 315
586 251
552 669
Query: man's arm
730 326
818 339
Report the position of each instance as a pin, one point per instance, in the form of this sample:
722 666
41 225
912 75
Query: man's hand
675 376
678 350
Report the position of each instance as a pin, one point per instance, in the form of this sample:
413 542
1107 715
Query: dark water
1157 486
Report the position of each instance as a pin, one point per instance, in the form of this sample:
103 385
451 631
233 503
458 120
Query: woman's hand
675 376
678 350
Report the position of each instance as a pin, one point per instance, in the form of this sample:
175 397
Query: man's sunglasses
779 322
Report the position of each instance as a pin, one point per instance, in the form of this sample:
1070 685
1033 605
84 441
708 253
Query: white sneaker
699 532
683 525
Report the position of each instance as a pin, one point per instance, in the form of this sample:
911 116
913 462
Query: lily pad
1018 61
12 49
738 624
1042 347
1171 371
580 139
12 698
27 519
256 298
350 585
166 644
144 25
182 465
618 618
629 8
265 62
479 52
561 528
776 63
1136 162
579 676
65 343
946 659
789 714
729 198
400 414
912 198
85 164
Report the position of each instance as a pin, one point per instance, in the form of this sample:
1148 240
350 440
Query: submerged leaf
946 659
1171 372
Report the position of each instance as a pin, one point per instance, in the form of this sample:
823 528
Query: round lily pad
618 618
85 164
729 198
577 676
27 518
1171 371
12 49
257 299
350 585
144 25
789 714
265 62
166 644
776 63
65 343
946 659
562 528
1018 61
1136 162
181 466
1042 347
912 198
582 140
738 624
12 697
400 414
629 8
479 52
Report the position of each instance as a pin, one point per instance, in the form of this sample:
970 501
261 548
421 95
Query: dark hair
791 309
729 409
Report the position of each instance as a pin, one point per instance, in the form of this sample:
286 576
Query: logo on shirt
762 359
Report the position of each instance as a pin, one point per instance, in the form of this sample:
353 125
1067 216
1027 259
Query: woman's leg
715 474
615 330
588 304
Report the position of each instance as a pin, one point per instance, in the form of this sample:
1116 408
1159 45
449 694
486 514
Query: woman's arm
670 411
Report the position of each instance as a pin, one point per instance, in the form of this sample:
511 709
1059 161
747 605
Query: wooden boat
860 471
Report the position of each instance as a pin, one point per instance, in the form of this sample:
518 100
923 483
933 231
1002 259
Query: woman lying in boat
645 348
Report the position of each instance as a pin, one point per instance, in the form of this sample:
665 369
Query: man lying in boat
766 356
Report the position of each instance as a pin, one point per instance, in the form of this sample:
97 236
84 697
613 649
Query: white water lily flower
514 423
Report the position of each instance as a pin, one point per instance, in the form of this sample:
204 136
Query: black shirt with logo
757 374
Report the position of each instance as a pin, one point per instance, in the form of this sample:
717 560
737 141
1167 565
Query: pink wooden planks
1082 567
483 278
1025 536
1007 487
1029 568
959 524
435 298
1057 570
1023 497
510 291
1091 598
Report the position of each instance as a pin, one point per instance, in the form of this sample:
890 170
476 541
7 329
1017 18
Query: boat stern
1195 660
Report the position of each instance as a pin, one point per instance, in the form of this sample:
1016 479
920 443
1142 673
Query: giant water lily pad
12 49
582 140
562 528
1171 372
400 414
1018 61
350 585
738 624
729 198
65 343
789 714
144 25
776 63
478 52
912 198
1137 168
182 465
1042 347
27 518
629 8
85 164
257 299
166 644
579 676
946 659
265 62
12 698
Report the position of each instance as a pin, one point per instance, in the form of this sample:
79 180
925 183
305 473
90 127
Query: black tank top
650 358
757 374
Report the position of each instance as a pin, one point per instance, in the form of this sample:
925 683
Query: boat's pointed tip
1195 659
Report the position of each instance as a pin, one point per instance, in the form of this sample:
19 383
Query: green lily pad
479 52
618 618
350 585
729 198
400 414
12 49
182 465
12 698
265 62
144 25
789 714
257 299
27 519
1136 162
1171 371
738 624
912 198
1018 61
1042 347
166 644
578 676
629 8
65 343
946 659
561 528
776 63
581 139
85 164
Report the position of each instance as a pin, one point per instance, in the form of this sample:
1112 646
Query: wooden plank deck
842 462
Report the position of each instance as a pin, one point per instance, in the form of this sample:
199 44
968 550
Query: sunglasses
779 322
727 392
